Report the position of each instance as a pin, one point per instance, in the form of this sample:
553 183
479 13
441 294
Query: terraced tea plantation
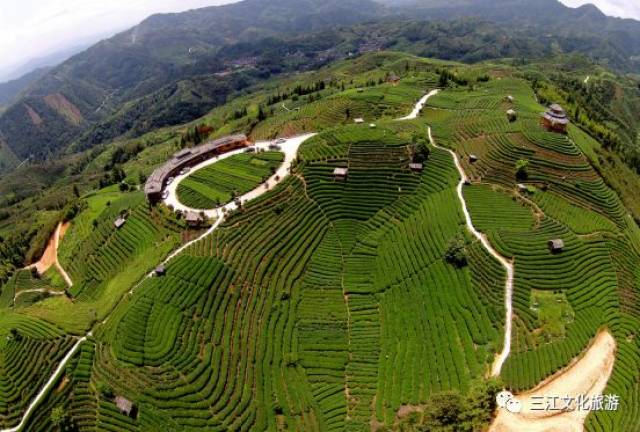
350 295
565 199
216 184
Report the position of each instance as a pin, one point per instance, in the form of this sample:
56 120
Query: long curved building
187 158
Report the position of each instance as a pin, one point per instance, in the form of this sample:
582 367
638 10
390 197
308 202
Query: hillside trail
50 256
584 377
289 147
496 368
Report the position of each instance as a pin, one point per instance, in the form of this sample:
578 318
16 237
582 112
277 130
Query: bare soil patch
587 376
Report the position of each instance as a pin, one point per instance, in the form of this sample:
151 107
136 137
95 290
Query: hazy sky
35 28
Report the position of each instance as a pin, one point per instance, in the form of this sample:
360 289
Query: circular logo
506 400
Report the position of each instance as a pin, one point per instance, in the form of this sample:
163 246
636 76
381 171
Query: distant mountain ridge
172 68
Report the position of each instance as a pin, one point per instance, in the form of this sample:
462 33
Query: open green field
216 184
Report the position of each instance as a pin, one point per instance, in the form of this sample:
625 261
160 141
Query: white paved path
496 368
290 150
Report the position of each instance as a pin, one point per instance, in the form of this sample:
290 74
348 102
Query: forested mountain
175 67
10 89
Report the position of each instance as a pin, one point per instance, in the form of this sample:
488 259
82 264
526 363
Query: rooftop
124 404
155 182
340 172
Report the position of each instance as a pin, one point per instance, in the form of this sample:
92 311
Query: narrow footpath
496 368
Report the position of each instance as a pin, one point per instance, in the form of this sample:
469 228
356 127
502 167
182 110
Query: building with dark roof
187 158
393 79
555 119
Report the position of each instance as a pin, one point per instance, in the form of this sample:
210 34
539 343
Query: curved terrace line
290 148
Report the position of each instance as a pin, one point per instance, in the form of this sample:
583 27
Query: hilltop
334 300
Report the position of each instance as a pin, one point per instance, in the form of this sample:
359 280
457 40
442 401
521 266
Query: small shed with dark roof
556 245
473 158
393 79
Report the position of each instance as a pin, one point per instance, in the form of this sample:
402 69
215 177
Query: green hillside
328 303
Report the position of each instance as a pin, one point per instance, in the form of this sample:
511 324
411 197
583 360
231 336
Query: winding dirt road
496 368
50 256
586 376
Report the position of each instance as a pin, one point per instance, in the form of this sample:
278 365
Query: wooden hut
194 219
119 223
126 407
393 79
556 245
416 167
340 173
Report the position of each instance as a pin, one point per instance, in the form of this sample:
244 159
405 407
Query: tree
456 252
261 115
522 166
76 192
443 412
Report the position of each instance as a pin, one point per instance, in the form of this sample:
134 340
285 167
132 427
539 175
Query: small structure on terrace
416 167
556 245
119 223
340 173
358 120
194 219
473 158
555 119
126 407
160 271
393 79
512 115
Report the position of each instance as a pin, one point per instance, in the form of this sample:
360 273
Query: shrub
456 253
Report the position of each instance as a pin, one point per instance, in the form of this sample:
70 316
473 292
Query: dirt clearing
588 375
